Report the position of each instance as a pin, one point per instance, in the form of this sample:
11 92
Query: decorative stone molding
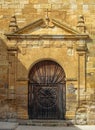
81 24
12 48
22 33
48 23
13 24
81 45
21 36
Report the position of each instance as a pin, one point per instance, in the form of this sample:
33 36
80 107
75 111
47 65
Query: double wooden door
46 91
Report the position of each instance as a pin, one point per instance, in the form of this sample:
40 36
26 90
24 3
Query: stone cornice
12 48
31 25
25 36
65 26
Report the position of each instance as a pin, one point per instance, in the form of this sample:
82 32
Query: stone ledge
46 122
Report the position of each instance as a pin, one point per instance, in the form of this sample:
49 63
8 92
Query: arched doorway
47 91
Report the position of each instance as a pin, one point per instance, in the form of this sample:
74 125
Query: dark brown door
46 91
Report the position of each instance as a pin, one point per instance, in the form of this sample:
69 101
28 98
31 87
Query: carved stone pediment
43 30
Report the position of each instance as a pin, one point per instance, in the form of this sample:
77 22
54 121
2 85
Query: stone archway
47 91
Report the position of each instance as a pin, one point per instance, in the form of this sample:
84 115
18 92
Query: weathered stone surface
77 57
91 113
81 116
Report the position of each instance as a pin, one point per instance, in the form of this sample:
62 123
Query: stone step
46 122
8 126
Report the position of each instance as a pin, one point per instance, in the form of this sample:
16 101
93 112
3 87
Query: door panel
46 102
46 91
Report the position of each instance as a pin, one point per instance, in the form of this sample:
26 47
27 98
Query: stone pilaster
22 99
81 51
12 58
11 98
81 111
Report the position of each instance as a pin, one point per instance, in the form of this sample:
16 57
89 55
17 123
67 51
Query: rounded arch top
46 71
44 59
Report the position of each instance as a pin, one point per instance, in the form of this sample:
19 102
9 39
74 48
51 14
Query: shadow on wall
9 87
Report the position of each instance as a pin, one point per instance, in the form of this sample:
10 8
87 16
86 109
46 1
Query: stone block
22 100
29 11
22 89
88 2
22 113
70 115
71 97
81 119
91 122
32 1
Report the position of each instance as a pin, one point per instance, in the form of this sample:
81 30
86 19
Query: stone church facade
47 60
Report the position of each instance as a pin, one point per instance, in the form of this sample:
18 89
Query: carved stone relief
47 44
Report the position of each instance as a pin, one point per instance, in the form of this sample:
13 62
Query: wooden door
47 91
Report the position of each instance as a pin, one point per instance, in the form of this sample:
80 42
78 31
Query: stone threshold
40 122
46 122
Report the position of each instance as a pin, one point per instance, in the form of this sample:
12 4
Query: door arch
46 91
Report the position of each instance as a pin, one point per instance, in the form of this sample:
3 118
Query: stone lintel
24 36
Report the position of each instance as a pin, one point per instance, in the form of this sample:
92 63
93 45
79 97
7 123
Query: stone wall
27 11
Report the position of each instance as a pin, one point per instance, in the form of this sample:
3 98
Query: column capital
81 46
